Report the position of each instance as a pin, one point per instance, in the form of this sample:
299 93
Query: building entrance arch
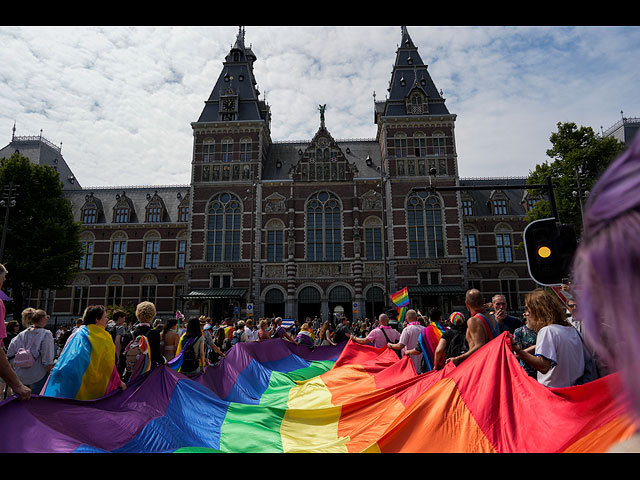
341 302
309 303
274 303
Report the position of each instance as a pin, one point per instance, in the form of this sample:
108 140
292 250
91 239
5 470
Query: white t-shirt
409 338
562 346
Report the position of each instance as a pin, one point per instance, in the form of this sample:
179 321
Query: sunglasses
572 305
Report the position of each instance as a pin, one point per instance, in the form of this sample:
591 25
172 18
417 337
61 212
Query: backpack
237 335
111 329
457 345
190 361
137 356
397 352
23 357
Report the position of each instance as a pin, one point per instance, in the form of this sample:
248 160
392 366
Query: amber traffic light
549 247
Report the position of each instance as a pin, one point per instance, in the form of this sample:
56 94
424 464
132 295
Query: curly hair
145 312
544 309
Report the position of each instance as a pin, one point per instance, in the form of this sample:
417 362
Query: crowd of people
547 342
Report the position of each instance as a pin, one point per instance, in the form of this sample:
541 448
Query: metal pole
384 231
7 201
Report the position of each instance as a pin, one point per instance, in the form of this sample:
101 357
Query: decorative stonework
275 203
273 271
315 270
371 200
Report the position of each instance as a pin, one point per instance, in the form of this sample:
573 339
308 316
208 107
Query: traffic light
550 248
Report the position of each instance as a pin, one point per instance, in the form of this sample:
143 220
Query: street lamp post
384 230
8 200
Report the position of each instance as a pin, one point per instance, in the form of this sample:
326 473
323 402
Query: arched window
323 227
424 216
245 150
151 249
275 240
227 150
373 238
123 209
208 150
224 217
309 295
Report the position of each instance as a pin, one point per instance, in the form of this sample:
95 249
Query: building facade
297 229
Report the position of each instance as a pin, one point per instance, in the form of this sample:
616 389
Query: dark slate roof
238 78
41 151
137 196
481 197
410 72
355 151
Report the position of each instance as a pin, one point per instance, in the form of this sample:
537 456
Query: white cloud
121 99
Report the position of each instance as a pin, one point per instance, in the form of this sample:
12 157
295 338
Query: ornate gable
322 160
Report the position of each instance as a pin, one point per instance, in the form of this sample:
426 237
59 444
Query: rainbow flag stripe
401 297
429 339
273 396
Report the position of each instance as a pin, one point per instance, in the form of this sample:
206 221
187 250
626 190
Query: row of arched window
323 229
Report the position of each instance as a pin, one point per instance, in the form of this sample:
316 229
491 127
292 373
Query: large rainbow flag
274 396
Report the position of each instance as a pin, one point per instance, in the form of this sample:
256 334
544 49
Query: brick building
298 229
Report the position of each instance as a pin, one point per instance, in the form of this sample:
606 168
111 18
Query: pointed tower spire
411 84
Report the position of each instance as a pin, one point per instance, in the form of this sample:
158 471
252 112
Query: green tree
575 153
42 243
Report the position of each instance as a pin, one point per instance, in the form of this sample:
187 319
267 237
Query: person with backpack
453 341
33 350
380 336
481 327
145 354
191 347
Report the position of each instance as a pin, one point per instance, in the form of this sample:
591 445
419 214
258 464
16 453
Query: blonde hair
27 316
544 309
145 312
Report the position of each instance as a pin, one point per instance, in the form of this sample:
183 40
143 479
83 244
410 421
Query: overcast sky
121 99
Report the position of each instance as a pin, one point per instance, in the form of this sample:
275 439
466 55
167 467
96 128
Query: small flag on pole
401 297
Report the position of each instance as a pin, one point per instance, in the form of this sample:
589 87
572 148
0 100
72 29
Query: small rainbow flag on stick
401 300
401 297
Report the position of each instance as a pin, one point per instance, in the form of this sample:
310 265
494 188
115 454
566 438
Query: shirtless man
477 334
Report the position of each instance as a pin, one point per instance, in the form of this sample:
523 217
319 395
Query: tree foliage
576 153
42 246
